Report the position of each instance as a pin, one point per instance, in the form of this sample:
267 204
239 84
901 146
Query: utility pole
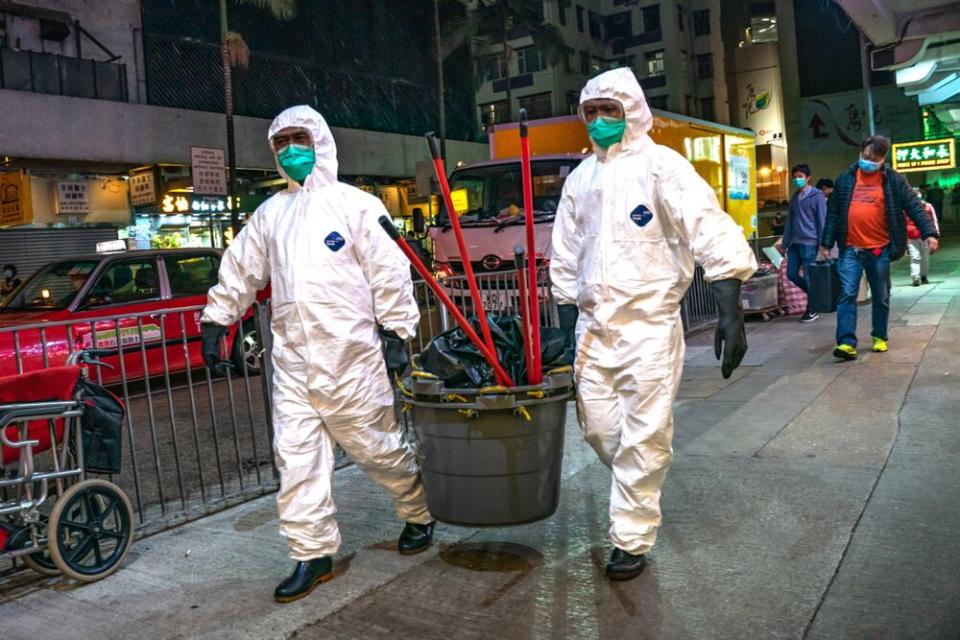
441 100
228 111
867 89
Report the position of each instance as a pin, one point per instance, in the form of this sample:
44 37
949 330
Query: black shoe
415 538
304 579
625 566
924 280
809 316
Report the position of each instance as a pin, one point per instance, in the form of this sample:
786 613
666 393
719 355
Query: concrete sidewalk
807 498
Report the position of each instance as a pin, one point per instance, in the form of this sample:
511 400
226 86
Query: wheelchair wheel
90 530
41 563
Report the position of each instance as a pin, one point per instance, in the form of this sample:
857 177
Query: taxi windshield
52 287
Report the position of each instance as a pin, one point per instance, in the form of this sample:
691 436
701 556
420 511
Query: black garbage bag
101 428
455 360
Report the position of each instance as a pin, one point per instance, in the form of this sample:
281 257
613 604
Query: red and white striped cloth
792 297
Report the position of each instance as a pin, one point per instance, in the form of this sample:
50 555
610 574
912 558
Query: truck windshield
53 287
493 194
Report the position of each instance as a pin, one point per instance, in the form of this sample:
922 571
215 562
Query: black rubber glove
568 321
568 314
211 338
731 336
394 353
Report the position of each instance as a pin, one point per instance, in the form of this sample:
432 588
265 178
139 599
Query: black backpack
101 428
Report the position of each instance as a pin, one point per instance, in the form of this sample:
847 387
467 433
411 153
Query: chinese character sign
209 174
143 188
15 203
73 197
926 155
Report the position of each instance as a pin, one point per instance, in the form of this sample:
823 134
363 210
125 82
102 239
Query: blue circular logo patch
334 242
641 216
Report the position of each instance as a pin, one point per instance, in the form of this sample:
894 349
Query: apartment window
681 14
537 106
598 64
494 112
655 63
701 22
595 21
651 18
619 25
573 101
707 109
585 63
493 68
580 19
705 66
688 104
562 11
657 102
684 61
530 60
763 29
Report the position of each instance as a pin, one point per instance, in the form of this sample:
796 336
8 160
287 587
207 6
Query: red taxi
86 301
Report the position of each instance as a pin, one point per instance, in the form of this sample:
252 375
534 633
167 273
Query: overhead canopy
920 41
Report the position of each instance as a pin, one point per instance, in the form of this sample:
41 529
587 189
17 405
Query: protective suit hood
621 85
325 170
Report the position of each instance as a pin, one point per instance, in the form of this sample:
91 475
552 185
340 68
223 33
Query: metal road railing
499 292
195 442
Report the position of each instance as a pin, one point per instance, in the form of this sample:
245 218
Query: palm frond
237 50
282 9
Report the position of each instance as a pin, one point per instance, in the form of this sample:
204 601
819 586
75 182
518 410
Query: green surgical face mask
606 131
297 161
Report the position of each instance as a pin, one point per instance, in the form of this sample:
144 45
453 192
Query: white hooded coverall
633 221
335 275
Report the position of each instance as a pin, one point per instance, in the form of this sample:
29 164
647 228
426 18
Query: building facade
102 103
673 46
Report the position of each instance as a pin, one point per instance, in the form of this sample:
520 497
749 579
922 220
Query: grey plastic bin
491 457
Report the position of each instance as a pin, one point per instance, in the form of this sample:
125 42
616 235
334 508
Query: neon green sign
926 155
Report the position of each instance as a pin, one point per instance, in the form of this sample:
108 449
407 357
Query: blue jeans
800 255
853 264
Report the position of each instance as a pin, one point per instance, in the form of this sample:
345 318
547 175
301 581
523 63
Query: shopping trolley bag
824 287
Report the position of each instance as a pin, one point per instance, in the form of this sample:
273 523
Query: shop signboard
16 206
925 155
209 173
182 202
144 187
73 197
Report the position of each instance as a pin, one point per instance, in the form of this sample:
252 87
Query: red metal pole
523 304
535 368
461 243
491 355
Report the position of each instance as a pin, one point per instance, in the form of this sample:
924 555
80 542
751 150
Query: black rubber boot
304 579
625 566
415 538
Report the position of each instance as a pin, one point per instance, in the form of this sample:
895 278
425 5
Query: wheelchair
54 518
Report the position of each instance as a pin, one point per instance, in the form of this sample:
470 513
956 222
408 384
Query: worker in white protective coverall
633 221
339 285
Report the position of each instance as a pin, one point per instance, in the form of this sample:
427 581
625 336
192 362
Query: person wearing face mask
917 247
865 219
634 220
10 280
801 236
341 291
